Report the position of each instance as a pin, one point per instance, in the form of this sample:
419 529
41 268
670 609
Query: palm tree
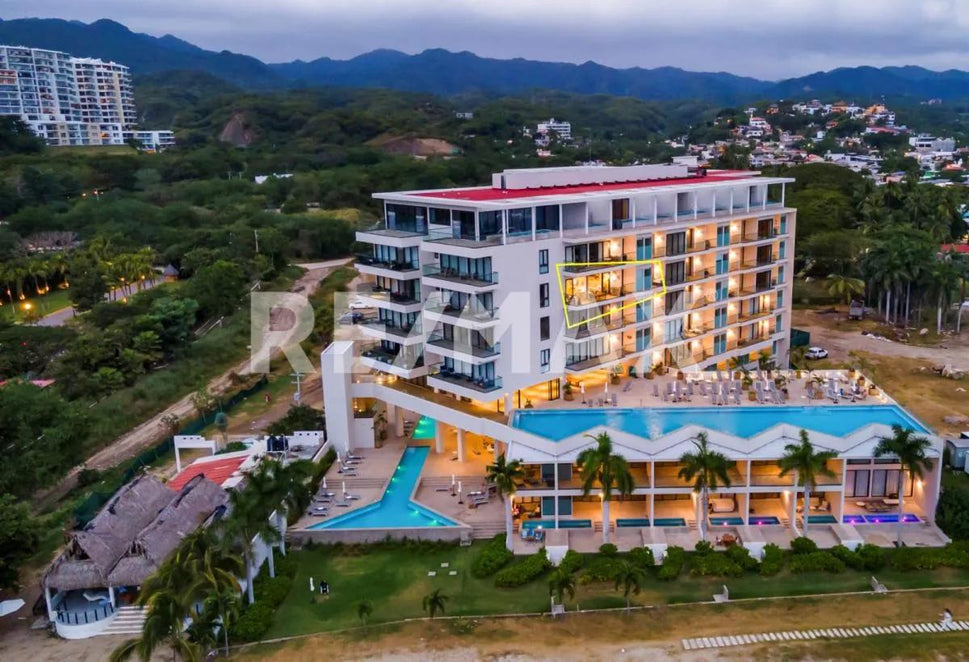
283 488
708 469
945 279
506 476
807 464
164 626
610 470
844 287
249 520
910 451
796 356
560 584
222 607
364 610
434 602
630 578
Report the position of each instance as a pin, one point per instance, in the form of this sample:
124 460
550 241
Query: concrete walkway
699 643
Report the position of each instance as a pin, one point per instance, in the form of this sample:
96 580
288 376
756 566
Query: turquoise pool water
669 521
632 522
563 524
837 420
395 510
424 428
726 521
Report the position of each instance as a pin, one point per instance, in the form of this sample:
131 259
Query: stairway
128 620
468 482
355 484
487 530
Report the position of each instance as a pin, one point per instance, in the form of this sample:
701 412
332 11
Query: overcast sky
763 38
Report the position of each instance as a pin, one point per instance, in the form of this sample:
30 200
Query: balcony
398 332
462 347
478 384
600 296
397 266
603 264
474 279
581 365
383 295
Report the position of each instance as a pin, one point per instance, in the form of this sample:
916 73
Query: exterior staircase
128 621
486 530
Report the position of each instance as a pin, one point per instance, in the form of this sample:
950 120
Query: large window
543 295
673 330
519 221
675 273
406 218
490 223
543 261
544 359
547 218
676 243
675 302
544 328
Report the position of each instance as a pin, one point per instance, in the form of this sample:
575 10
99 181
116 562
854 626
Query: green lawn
395 581
45 305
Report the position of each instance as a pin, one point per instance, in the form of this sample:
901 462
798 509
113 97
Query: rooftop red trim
217 471
488 194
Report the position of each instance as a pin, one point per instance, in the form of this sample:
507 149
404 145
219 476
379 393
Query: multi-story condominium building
503 315
67 100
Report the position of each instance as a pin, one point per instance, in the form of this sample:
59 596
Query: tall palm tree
506 476
249 520
807 464
945 277
708 469
560 584
599 465
630 578
911 453
164 626
283 488
222 607
434 602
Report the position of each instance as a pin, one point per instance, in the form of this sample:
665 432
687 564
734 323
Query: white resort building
652 303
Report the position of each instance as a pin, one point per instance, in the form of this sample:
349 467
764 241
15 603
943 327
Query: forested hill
441 72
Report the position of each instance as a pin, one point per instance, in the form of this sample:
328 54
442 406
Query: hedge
602 568
802 545
642 557
522 572
572 561
672 564
816 562
773 560
741 556
493 557
256 618
714 564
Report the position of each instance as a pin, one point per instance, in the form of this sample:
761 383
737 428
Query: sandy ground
838 343
134 441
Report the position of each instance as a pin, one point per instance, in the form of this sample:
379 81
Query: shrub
572 561
714 564
253 622
272 591
642 557
913 558
608 549
87 477
672 564
703 547
741 556
846 556
803 545
773 560
492 558
522 572
872 558
952 513
816 562
602 568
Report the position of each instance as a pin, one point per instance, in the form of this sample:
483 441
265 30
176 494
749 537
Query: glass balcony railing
481 384
395 265
478 278
479 351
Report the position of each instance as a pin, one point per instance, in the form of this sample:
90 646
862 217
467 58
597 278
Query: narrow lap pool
395 510
424 428
563 524
745 422
885 518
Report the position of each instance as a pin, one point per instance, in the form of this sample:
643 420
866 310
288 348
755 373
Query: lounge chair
655 390
92 596
314 513
703 389
615 400
351 497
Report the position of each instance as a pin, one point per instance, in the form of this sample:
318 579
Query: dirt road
955 351
144 435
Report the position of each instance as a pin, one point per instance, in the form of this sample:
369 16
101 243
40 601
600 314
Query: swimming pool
632 522
395 510
726 521
884 518
424 429
746 422
563 524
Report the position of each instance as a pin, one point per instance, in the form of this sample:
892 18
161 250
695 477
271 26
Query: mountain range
442 72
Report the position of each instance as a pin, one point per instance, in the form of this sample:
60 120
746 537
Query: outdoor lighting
28 305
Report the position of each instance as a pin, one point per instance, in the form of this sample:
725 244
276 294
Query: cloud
763 38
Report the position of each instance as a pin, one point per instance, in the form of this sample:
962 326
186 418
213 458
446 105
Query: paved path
149 432
60 317
699 643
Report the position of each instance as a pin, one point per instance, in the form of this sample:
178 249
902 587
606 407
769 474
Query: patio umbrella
607 387
324 482
10 606
344 487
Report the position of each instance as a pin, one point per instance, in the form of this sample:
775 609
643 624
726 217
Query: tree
88 280
364 610
19 537
561 583
434 602
283 488
506 476
222 607
708 469
249 520
298 417
203 401
610 471
630 578
217 288
911 453
844 287
164 626
807 464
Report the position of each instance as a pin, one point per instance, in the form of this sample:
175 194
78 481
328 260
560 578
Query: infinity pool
839 420
395 510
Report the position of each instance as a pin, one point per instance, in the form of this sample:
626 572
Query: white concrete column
50 607
399 422
336 364
438 437
794 511
178 460
652 510
460 445
556 497
391 413
111 596
508 403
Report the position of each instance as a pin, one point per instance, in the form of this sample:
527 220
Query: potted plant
680 376
746 382
752 396
616 373
650 374
872 389
780 381
528 404
568 391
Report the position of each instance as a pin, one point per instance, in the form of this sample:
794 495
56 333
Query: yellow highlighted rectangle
620 264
